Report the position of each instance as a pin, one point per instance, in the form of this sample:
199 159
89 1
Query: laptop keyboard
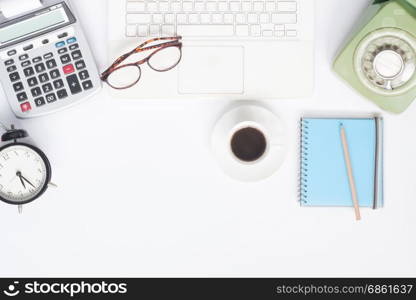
254 19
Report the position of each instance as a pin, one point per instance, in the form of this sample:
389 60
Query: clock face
24 173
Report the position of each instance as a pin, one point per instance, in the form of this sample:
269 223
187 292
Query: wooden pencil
350 173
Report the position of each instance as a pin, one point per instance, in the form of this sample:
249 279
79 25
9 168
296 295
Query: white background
141 195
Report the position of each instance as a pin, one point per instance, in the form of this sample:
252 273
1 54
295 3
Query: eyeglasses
166 57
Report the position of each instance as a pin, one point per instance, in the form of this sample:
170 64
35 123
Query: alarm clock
25 170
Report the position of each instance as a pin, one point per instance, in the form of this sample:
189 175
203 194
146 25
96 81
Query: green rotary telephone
379 61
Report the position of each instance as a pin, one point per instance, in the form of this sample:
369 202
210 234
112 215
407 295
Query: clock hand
23 183
24 178
18 174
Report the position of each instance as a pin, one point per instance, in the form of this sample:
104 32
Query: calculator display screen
38 23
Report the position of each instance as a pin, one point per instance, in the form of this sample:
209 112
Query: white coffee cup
263 145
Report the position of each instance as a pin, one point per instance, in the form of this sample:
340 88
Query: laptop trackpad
211 70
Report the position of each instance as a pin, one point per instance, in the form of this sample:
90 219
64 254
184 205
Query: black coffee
248 144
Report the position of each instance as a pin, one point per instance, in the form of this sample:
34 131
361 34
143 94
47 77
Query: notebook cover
324 178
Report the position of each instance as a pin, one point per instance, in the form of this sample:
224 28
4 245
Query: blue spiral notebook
324 177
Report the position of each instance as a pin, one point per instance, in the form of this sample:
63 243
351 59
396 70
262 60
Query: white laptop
239 50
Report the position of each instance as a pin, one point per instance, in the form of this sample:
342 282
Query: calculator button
18 87
23 57
51 98
25 107
45 41
59 44
62 94
80 65
62 50
9 62
43 77
28 47
37 59
58 84
28 71
54 74
71 40
87 85
76 55
65 58
36 91
25 63
73 83
40 67
11 69
32 81
47 88
62 35
14 76
48 55
21 97
11 52
68 69
51 64
40 101
84 75
73 47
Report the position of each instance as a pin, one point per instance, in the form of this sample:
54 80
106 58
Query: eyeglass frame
175 42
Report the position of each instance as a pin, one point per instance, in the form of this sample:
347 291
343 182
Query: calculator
46 64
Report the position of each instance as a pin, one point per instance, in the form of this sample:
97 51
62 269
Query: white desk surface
141 195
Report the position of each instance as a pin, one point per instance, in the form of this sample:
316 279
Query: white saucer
274 130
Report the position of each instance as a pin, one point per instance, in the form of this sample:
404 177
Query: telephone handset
380 60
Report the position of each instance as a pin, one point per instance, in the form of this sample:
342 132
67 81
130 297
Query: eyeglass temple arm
163 45
173 39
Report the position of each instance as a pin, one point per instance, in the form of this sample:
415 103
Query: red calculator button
25 106
68 69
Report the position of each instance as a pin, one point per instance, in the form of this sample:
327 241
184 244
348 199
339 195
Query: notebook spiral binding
304 162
